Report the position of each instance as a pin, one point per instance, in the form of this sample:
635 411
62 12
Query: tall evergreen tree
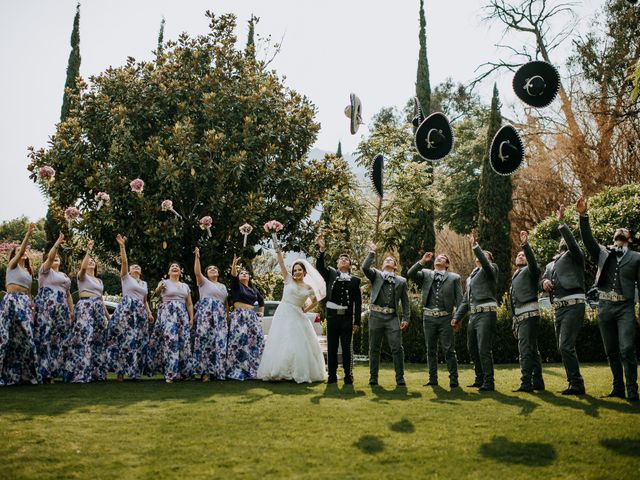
420 234
251 44
160 39
339 151
494 205
73 66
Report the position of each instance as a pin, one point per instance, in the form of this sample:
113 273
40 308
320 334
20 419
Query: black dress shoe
475 385
573 391
539 388
401 382
523 389
633 398
454 384
486 389
348 380
332 380
431 383
613 394
373 381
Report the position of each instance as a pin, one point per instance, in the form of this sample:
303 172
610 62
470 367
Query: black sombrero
507 151
434 137
354 112
375 174
536 83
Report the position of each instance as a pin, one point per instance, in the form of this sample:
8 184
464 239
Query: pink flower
273 226
102 197
72 213
167 206
47 173
137 185
206 222
7 246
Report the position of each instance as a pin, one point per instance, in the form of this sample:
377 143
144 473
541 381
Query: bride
292 351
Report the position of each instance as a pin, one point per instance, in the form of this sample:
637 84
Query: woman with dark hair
292 351
210 330
246 338
54 312
170 344
85 354
18 356
128 329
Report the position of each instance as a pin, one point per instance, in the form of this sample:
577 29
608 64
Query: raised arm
234 266
482 258
531 258
590 242
85 260
51 256
568 237
124 263
23 247
283 267
366 265
320 261
415 273
197 269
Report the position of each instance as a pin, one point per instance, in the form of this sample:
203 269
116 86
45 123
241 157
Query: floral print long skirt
244 345
18 355
52 325
127 338
85 356
170 344
210 338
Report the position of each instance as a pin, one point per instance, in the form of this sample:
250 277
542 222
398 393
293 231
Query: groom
344 308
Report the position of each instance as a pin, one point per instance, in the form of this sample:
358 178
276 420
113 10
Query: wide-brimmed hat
376 174
354 112
507 151
434 137
536 83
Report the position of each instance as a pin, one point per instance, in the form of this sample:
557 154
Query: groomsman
441 293
526 316
388 292
563 280
344 309
480 301
617 279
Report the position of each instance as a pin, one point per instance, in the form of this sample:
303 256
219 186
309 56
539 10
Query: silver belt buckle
341 311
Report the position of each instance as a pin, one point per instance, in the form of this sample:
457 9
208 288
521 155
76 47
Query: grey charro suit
616 318
524 300
449 296
566 273
482 287
381 324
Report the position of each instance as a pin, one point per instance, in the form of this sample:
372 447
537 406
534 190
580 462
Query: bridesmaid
54 313
86 359
210 333
128 328
18 356
170 344
246 338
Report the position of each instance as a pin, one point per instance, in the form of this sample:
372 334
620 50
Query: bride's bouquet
273 227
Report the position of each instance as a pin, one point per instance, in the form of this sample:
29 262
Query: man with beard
617 280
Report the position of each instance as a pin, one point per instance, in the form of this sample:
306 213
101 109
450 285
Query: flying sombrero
434 137
354 112
536 83
506 152
375 174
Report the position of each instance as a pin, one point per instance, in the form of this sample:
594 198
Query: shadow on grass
456 395
347 392
382 395
403 426
369 444
629 447
504 450
588 404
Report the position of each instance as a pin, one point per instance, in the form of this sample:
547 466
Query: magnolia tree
181 151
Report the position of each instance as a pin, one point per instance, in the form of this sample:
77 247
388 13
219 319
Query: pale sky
330 48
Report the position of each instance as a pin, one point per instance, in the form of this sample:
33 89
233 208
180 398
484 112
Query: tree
73 68
204 126
251 43
12 231
160 48
339 151
494 205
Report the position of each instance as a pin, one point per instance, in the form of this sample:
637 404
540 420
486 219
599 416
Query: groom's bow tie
344 277
389 277
617 251
439 276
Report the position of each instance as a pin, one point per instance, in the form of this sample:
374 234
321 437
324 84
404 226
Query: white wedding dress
292 350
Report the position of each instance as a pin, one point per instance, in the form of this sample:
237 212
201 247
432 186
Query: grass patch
150 429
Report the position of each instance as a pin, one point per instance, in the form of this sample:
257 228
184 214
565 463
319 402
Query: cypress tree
494 205
251 45
73 66
160 39
339 151
420 235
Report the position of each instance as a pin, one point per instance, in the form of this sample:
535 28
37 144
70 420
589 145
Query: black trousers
339 331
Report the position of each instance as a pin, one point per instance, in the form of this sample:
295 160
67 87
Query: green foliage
423 85
494 205
339 151
204 126
160 48
13 231
71 87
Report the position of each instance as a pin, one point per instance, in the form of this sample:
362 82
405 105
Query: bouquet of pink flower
102 198
205 224
245 229
167 206
273 227
71 214
137 185
46 173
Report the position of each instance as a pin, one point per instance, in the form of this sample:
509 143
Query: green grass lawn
149 429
